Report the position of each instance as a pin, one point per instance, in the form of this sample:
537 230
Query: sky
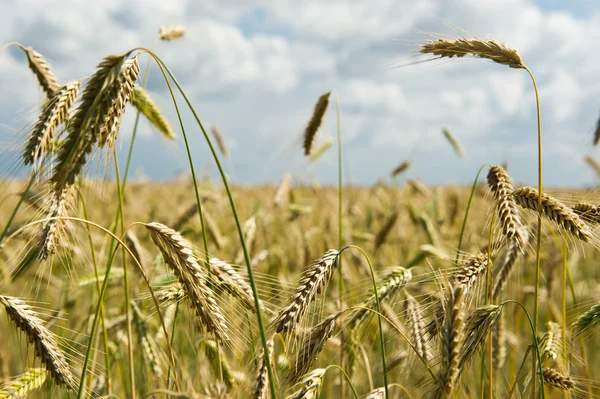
256 68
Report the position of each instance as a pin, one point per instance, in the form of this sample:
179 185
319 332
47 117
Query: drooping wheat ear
554 210
551 343
557 380
44 342
477 327
588 212
506 262
588 320
83 131
24 384
232 282
262 376
499 343
212 228
282 190
148 349
424 251
43 71
120 96
416 325
403 166
313 281
171 32
501 185
389 287
489 49
322 149
55 112
179 257
453 140
452 333
219 363
216 132
51 232
310 386
385 230
142 101
315 122
593 164
470 271
311 347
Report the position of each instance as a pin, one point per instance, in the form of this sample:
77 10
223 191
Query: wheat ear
55 112
557 380
312 346
554 210
313 281
262 377
24 384
588 320
315 122
477 327
171 32
309 386
506 262
216 132
403 166
470 271
51 232
142 101
385 230
179 257
489 49
508 215
44 342
282 190
416 325
42 70
453 140
588 212
233 282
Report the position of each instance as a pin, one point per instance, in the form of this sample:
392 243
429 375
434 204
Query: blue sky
256 68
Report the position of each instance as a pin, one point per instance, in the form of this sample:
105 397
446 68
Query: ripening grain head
488 49
315 122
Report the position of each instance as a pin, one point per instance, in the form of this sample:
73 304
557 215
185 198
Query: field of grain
114 288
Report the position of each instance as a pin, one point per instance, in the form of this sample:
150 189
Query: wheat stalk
24 384
142 101
55 112
179 257
44 342
42 70
554 210
489 49
315 122
313 281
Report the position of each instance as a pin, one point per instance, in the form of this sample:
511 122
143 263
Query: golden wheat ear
171 32
42 70
44 342
24 384
142 101
489 49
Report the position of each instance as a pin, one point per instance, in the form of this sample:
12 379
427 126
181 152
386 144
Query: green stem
381 338
131 360
538 250
535 343
464 223
263 335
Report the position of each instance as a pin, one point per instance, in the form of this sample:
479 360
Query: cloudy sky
256 68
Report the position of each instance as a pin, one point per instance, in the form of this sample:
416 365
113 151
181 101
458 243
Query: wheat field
196 288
